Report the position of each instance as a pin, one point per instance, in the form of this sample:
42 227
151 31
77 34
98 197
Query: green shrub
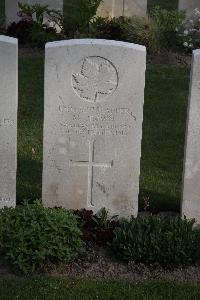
32 236
143 31
168 24
112 29
78 14
32 28
155 240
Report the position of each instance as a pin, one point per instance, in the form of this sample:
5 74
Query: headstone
191 178
189 5
12 8
126 8
94 93
8 120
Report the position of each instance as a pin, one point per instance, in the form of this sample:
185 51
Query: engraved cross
90 164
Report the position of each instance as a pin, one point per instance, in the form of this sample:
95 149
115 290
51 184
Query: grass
29 179
163 136
71 289
163 133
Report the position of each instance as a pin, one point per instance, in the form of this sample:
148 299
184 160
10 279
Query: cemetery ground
165 108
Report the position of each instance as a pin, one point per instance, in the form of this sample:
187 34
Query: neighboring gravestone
191 178
127 8
189 5
8 120
12 8
94 93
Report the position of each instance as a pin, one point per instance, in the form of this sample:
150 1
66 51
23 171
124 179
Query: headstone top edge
196 52
97 42
7 39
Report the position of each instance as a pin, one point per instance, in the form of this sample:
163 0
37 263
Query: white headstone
126 8
8 120
191 178
12 8
94 93
189 5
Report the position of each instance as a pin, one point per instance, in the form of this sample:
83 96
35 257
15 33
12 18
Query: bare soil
100 264
170 58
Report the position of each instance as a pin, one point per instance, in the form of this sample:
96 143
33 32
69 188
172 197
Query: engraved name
6 199
6 122
97 120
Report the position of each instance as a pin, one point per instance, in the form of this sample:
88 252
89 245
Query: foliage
21 31
32 27
31 236
155 240
168 24
78 14
96 228
38 13
112 29
190 31
169 5
144 31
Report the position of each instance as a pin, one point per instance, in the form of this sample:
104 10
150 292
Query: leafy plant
96 228
190 31
37 26
168 24
31 236
105 28
78 14
155 240
144 31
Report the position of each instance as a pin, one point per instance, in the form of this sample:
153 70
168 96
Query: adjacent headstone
191 178
126 8
12 8
8 120
94 93
189 5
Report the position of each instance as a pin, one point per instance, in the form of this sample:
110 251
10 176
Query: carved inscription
97 120
6 122
6 200
90 164
97 79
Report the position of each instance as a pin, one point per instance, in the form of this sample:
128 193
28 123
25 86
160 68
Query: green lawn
163 133
71 289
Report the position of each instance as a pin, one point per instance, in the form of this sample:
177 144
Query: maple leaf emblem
97 79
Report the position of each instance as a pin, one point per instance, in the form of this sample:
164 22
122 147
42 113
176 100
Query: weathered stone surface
8 120
191 178
117 8
11 7
189 5
94 93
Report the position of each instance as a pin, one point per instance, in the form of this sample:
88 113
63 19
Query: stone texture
117 8
11 7
8 120
189 5
191 178
94 93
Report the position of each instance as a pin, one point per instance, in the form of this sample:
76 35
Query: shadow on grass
29 183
